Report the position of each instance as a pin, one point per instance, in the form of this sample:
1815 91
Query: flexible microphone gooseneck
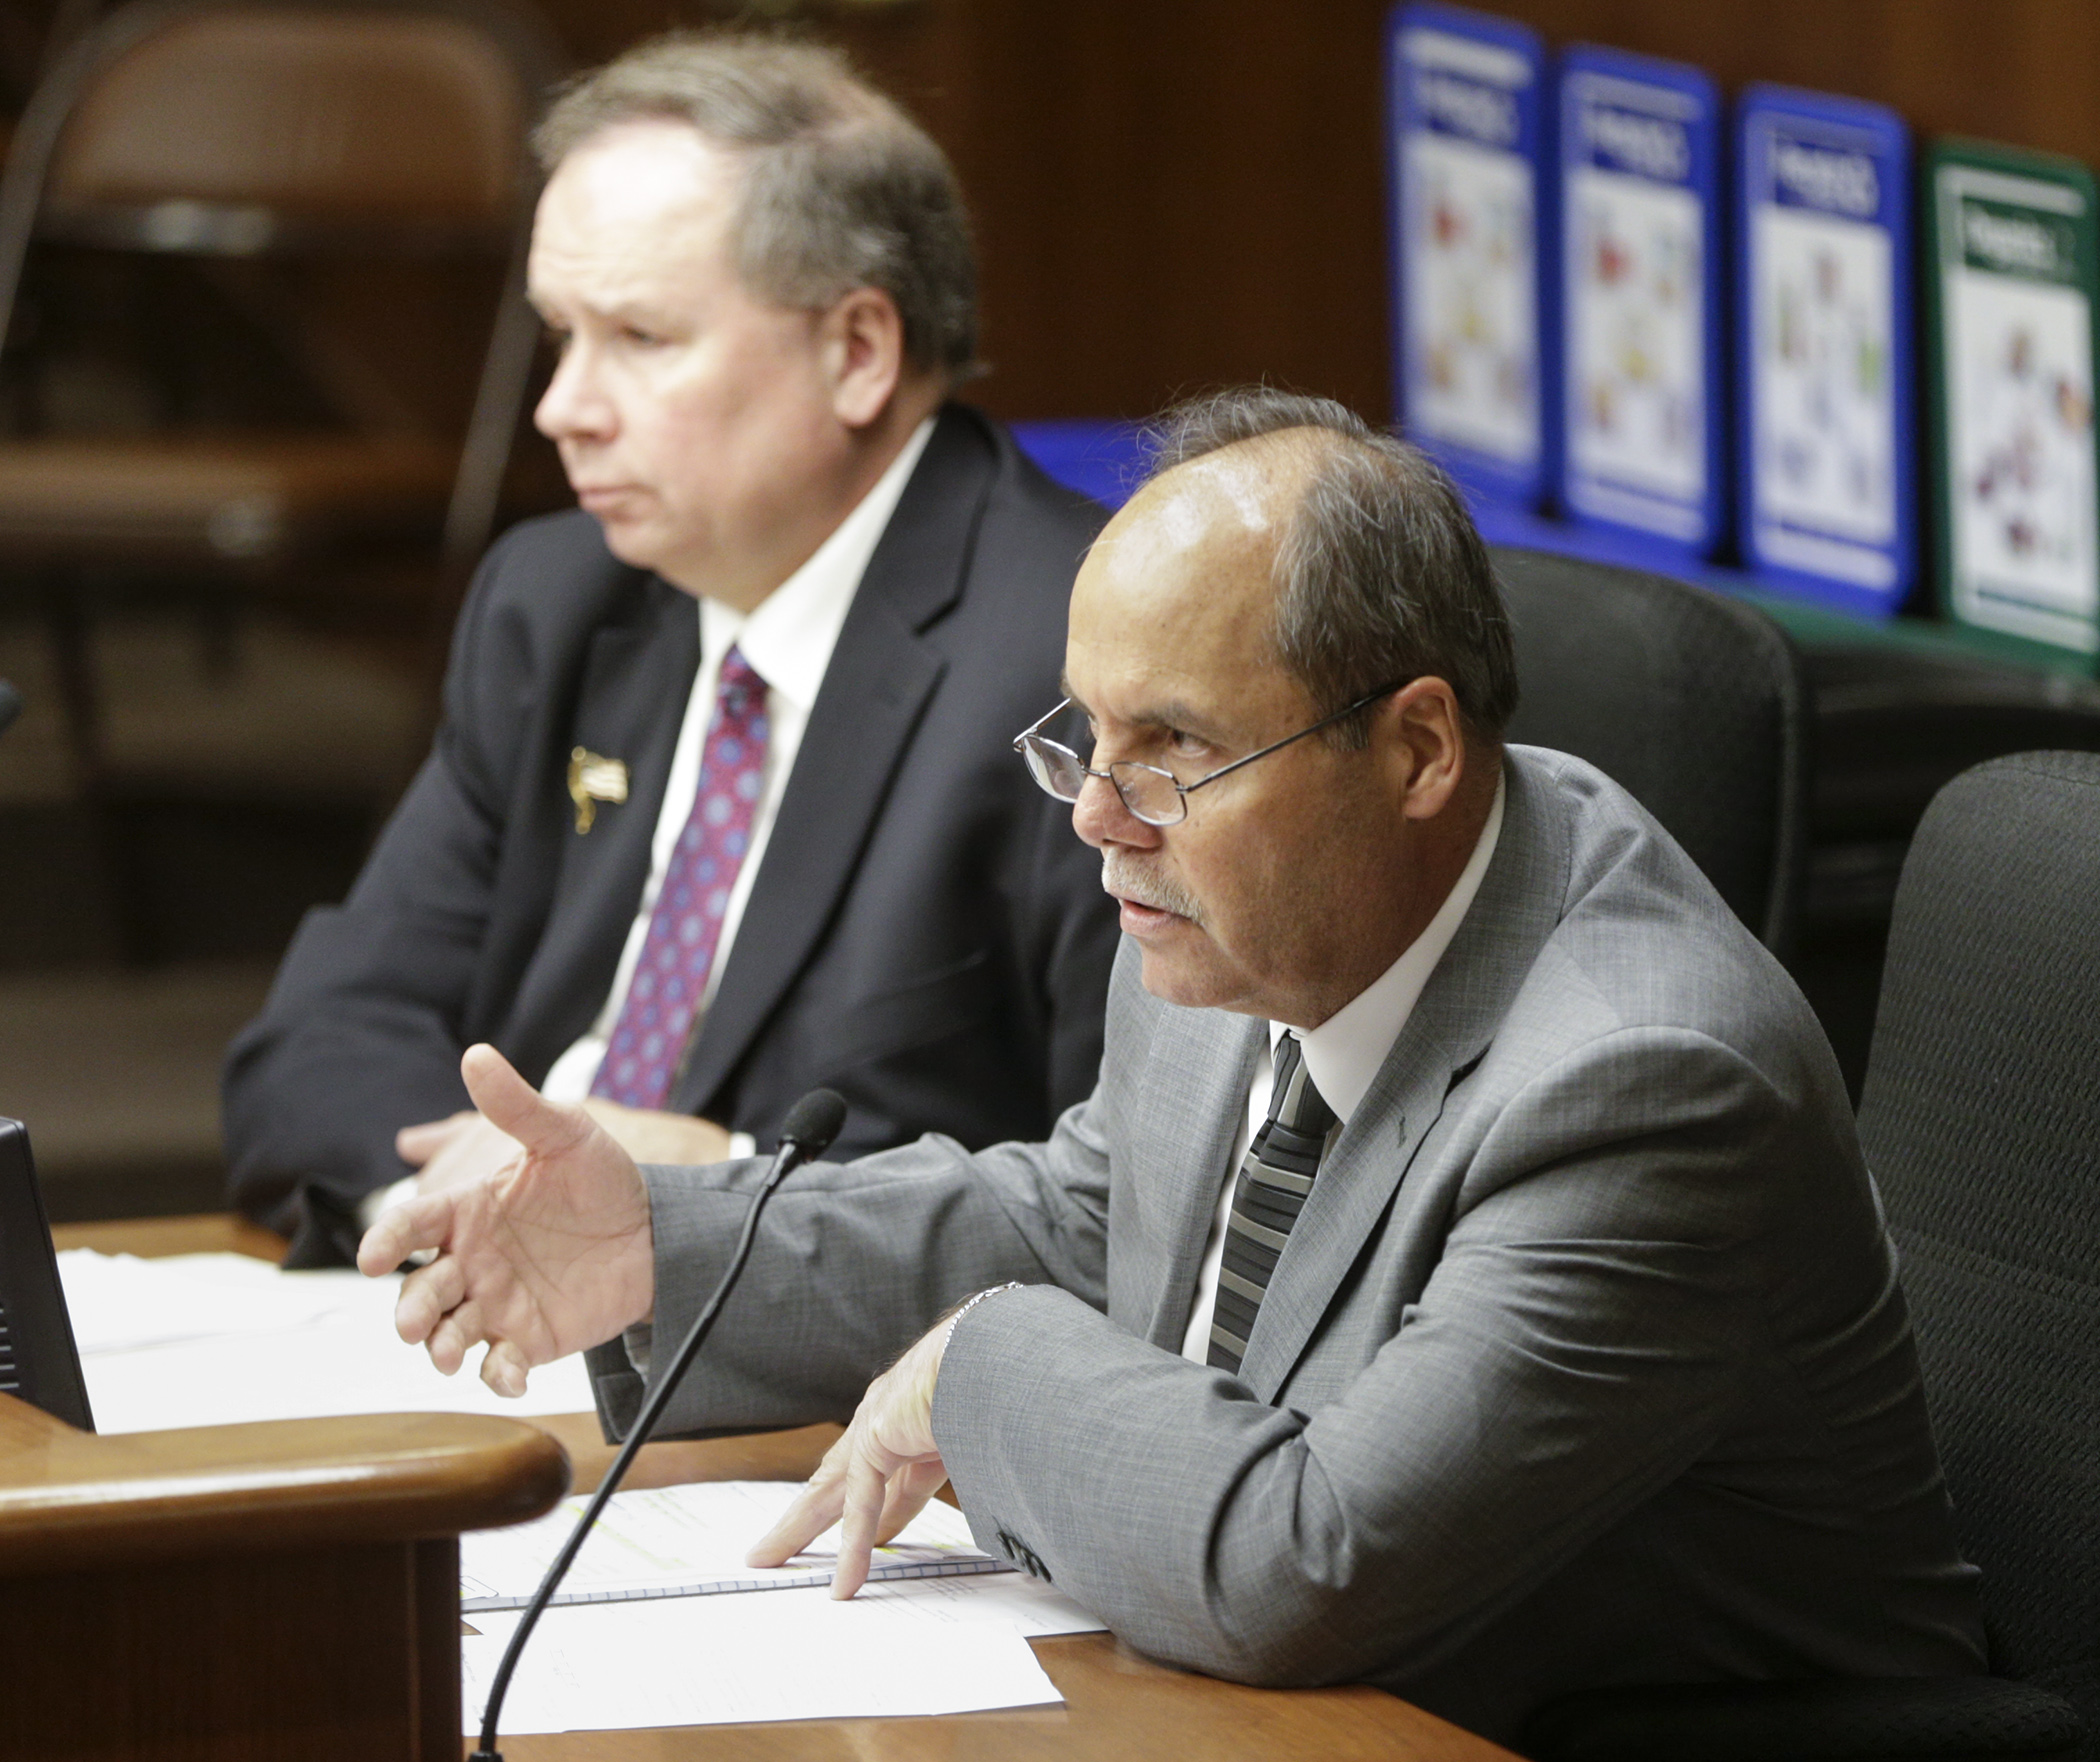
811 1125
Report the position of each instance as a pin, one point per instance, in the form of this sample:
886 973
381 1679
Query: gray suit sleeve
852 1263
1575 1347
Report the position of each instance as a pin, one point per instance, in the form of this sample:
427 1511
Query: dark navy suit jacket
925 934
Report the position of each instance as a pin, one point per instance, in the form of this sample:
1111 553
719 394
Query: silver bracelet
969 1304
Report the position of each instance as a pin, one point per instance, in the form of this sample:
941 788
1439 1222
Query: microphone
10 704
811 1125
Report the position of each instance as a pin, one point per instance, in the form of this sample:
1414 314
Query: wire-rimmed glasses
1152 795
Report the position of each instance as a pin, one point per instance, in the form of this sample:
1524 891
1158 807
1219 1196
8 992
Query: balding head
1379 571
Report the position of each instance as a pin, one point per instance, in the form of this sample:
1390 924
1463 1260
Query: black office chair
1694 702
1981 1121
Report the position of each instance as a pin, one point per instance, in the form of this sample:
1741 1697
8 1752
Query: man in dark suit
683 863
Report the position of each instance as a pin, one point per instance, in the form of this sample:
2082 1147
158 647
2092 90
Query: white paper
927 1646
691 1541
222 1339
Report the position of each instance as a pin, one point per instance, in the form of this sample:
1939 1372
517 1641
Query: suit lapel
1198 1069
636 679
882 672
1452 1025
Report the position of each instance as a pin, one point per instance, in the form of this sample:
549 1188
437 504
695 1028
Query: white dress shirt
788 641
1342 1056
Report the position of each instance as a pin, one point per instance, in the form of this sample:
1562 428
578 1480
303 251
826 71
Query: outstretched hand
550 1253
877 1477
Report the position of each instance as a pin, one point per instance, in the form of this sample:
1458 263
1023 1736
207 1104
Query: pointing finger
815 1510
866 1488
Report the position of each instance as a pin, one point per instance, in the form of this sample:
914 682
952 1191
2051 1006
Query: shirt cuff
742 1144
639 1340
384 1199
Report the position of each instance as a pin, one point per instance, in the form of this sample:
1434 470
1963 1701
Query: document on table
922 1646
219 1339
690 1541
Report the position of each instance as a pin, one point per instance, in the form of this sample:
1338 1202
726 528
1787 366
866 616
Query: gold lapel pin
593 779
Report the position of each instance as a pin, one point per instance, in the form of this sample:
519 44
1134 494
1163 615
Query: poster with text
2014 258
1826 437
1472 290
1636 338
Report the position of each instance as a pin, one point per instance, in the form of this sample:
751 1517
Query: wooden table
1118 1706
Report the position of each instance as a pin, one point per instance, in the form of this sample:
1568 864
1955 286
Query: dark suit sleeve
362 1030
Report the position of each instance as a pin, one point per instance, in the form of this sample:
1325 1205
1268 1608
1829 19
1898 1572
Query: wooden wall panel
1176 193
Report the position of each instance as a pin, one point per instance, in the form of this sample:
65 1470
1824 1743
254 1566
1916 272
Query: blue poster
1472 349
1641 285
1829 490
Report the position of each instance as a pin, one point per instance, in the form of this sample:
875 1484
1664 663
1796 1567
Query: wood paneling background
1176 193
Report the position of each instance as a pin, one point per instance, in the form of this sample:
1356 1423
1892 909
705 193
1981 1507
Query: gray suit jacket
1585 1363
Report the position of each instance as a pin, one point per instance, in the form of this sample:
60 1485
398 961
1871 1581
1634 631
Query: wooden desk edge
70 1499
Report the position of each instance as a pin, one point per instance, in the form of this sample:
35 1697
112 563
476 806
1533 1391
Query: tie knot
740 684
1297 1103
740 694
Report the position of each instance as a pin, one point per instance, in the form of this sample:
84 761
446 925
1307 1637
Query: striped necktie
1275 1178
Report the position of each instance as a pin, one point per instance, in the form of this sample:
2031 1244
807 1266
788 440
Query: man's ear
1422 740
862 343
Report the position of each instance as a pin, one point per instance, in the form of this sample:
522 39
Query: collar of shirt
1344 1052
788 639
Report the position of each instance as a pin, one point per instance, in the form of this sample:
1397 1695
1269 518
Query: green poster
2012 265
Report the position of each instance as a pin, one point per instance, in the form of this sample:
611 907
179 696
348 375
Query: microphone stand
811 1125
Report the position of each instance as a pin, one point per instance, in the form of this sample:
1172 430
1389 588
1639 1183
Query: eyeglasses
1157 797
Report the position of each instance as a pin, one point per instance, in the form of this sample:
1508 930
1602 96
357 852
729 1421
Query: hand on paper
548 1254
876 1478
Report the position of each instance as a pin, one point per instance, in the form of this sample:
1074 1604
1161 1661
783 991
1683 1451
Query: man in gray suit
1547 1335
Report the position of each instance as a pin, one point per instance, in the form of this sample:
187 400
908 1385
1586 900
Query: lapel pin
593 779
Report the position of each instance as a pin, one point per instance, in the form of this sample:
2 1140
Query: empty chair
1695 703
237 137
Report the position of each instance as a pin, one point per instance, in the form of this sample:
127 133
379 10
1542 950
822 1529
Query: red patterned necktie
648 1042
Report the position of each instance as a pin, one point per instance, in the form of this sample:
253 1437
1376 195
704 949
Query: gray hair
1380 574
841 188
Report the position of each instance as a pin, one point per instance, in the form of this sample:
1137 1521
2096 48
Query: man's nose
572 405
1099 817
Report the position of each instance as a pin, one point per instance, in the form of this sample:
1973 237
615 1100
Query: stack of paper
219 1339
922 1647
660 1638
691 1541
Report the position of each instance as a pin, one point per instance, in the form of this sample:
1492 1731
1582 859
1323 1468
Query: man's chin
1181 975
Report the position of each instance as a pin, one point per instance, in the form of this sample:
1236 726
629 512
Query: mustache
1122 875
